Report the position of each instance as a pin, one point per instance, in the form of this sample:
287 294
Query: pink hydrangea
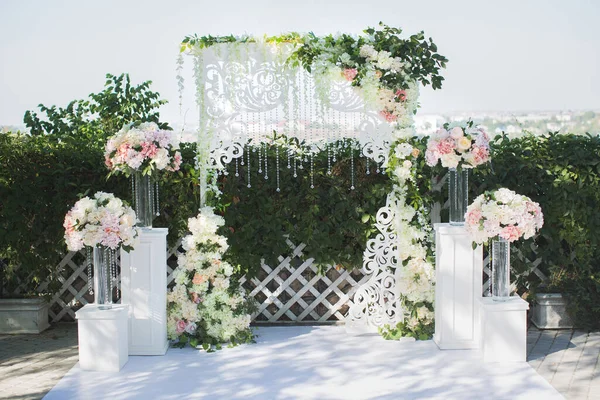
388 116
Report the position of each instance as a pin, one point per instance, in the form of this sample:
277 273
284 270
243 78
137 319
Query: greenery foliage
95 119
331 219
424 63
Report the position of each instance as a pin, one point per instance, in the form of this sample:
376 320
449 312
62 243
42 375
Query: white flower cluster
503 214
415 280
200 303
102 220
382 59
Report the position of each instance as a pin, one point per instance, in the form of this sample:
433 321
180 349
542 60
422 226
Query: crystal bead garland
295 166
368 170
500 270
156 205
259 160
102 277
248 168
237 172
277 166
352 165
312 171
266 164
89 269
328 158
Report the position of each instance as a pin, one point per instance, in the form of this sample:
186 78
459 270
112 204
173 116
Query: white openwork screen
246 92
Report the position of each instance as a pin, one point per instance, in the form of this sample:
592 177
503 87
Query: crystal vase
458 190
103 279
144 199
500 270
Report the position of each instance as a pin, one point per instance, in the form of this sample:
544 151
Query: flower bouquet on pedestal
502 216
458 149
140 151
102 223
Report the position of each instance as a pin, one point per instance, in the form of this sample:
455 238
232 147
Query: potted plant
20 314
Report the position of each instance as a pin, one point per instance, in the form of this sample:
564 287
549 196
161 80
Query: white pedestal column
102 336
458 286
144 289
504 330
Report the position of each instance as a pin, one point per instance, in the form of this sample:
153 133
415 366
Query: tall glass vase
144 198
458 190
500 270
103 276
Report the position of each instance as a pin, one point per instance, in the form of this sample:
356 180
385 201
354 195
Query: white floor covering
310 363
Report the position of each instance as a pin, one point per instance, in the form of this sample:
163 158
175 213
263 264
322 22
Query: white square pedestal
458 285
504 329
102 337
144 289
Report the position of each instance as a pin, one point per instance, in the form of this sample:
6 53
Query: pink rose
350 74
181 326
389 117
510 233
401 94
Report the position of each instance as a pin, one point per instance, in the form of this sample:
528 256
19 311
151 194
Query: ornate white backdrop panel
246 92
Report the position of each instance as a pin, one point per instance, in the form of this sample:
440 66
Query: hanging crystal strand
266 164
133 190
328 145
110 273
89 270
242 157
295 166
248 168
156 204
237 171
259 159
368 170
106 289
352 166
289 156
277 166
312 171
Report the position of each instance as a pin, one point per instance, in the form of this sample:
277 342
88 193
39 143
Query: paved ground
30 365
569 360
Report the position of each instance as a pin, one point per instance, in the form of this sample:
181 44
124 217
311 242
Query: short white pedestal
102 337
458 274
144 286
504 330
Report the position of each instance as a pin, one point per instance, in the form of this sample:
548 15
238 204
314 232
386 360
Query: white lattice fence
293 291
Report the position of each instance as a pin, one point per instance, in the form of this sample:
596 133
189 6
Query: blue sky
504 55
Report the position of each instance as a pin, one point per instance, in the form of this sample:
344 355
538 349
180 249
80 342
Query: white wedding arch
247 89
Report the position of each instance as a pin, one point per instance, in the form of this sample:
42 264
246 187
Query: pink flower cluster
137 148
465 147
350 73
103 220
183 326
503 214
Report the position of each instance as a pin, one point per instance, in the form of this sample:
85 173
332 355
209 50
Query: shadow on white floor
310 363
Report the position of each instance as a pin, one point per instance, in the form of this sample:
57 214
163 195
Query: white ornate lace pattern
376 303
246 92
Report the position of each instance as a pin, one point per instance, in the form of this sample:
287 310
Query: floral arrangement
458 147
102 220
415 273
205 307
503 214
143 148
384 67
